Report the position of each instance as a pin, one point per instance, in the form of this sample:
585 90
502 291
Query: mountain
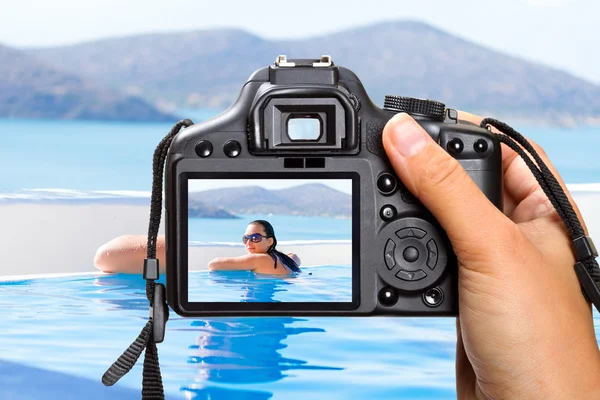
312 199
199 209
29 88
208 68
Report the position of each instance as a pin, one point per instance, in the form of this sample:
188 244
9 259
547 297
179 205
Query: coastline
61 237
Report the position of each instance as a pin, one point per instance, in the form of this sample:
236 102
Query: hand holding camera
520 306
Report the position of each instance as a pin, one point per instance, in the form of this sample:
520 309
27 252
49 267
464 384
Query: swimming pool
58 336
326 283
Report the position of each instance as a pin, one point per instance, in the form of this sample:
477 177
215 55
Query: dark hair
285 259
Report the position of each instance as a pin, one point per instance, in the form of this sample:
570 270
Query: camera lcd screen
271 240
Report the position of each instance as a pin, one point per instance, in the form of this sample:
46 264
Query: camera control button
411 232
480 146
455 146
232 149
388 296
390 260
411 275
386 183
432 255
419 274
388 212
433 297
204 148
410 254
417 248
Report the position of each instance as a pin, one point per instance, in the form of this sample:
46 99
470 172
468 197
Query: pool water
327 283
59 335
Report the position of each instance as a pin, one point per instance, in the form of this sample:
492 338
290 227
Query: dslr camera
301 148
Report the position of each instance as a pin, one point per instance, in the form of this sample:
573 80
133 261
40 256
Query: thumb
444 188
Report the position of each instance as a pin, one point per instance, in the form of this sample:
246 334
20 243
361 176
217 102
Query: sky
200 185
563 34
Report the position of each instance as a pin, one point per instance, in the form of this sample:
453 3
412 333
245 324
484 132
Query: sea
117 156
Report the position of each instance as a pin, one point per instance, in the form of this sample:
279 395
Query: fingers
443 186
520 183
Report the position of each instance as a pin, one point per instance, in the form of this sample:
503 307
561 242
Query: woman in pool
126 254
262 257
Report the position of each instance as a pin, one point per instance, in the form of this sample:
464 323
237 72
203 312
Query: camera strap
154 331
586 266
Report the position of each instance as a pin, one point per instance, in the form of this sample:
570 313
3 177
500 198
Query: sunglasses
254 238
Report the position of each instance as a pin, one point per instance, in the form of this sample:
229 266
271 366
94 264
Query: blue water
287 228
327 283
69 330
78 326
110 156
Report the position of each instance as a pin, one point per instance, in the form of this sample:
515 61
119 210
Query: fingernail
407 136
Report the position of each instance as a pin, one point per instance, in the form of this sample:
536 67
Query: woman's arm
126 254
294 257
248 262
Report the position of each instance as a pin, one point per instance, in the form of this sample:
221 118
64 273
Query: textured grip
429 108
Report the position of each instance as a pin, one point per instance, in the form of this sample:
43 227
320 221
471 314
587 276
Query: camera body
313 120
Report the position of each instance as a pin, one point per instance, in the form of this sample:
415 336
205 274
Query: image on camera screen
270 240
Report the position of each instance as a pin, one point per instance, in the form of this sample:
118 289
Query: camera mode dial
427 108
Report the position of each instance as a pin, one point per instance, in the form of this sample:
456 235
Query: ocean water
85 155
59 335
287 228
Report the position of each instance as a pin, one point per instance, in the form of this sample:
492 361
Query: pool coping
11 278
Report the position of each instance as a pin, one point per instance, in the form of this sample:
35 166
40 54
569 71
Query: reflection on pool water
75 327
327 283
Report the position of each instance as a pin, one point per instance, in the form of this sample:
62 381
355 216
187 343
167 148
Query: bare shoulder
261 260
266 265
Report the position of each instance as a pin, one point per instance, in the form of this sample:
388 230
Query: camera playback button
232 148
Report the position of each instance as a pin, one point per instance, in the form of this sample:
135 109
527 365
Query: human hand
524 329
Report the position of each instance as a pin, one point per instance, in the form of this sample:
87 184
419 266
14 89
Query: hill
29 88
208 68
313 199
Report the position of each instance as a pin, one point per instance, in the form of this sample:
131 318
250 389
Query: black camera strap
586 267
154 331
